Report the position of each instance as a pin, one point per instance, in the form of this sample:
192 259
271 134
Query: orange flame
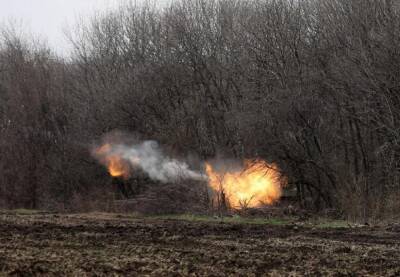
256 184
116 165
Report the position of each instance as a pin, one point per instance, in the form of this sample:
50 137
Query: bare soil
102 244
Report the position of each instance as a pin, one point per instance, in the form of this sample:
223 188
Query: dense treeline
312 85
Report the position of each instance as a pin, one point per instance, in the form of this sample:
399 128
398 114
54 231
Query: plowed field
101 244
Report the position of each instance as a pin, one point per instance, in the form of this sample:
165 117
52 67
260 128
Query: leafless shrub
312 85
182 197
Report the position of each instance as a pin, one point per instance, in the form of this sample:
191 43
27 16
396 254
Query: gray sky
47 18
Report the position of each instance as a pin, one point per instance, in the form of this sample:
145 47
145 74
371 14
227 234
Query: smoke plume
123 159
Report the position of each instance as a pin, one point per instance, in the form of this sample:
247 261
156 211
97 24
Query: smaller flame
116 165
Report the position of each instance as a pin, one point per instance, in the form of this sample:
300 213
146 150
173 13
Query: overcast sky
48 17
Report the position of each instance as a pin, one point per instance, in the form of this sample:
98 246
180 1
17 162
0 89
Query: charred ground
105 244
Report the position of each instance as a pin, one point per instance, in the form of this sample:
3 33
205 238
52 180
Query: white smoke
148 157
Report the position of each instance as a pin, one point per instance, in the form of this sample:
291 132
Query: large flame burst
257 183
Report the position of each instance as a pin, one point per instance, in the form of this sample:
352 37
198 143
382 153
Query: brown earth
101 244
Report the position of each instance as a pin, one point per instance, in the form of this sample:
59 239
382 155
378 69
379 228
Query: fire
257 183
116 165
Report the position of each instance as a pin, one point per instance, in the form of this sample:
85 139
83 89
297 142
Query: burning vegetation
114 162
123 160
257 183
253 184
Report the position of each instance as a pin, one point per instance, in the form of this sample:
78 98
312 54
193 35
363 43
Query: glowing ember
256 184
